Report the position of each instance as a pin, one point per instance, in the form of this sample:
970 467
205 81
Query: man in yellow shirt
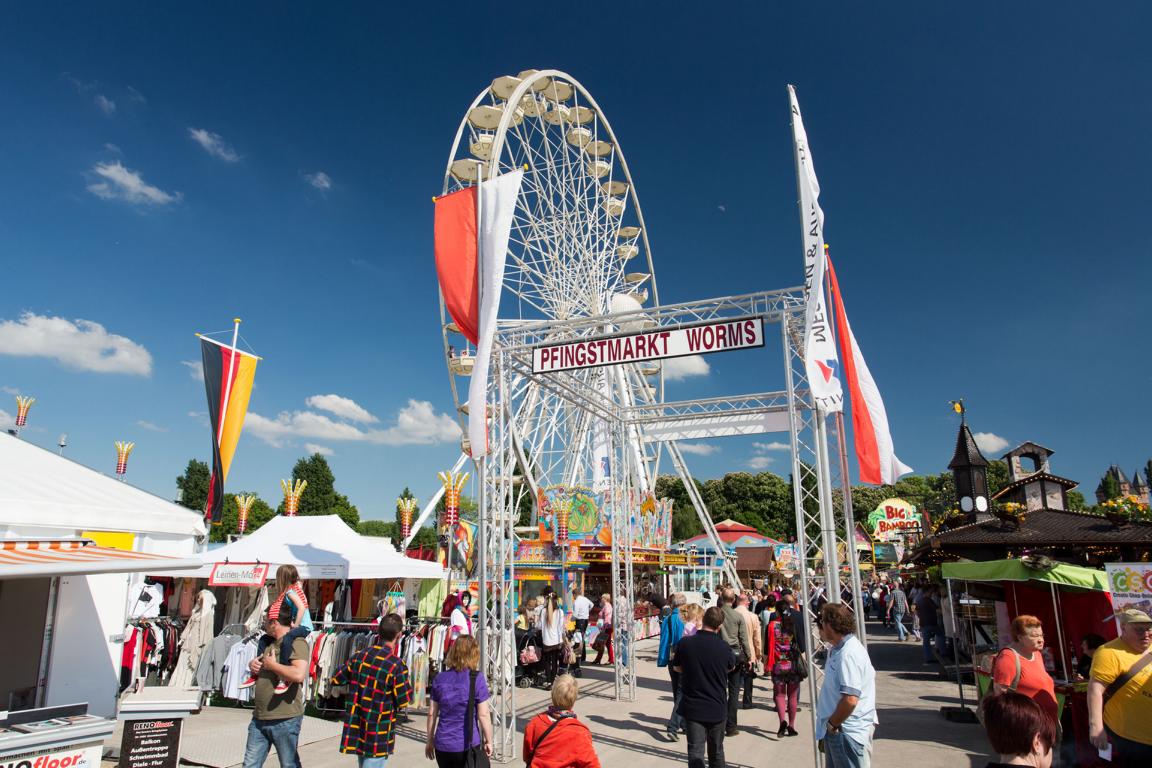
1122 714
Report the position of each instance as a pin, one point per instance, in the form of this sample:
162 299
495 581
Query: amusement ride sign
893 518
717 336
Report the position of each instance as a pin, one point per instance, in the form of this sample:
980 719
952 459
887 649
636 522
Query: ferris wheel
578 249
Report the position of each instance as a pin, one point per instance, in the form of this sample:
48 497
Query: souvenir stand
1070 602
73 546
366 578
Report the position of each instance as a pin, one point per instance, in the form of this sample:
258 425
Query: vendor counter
53 737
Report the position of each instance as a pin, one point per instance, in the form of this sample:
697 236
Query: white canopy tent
321 547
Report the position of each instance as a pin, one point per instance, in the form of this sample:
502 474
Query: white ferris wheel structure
579 266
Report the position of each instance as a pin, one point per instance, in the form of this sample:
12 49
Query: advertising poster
1131 585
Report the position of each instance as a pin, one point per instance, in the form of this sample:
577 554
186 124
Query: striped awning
25 558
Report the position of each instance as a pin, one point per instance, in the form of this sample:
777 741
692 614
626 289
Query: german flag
228 376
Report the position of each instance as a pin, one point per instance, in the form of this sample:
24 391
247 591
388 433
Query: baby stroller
529 658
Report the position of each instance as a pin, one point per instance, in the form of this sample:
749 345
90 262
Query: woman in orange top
1020 666
555 738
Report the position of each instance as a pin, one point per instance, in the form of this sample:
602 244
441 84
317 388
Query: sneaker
281 686
792 731
731 731
251 681
672 736
782 731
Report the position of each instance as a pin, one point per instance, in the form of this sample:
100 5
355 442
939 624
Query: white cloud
195 369
10 390
988 442
700 449
320 180
80 344
773 446
120 183
135 95
323 450
200 416
417 423
113 149
344 407
214 144
105 104
7 420
144 424
679 368
760 463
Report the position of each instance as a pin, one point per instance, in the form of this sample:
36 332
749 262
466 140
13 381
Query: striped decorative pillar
123 449
562 523
407 507
292 494
22 405
243 507
453 484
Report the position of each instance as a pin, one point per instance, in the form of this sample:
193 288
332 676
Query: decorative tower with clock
969 471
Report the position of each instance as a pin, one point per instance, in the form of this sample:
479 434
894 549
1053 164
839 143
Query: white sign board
238 575
718 336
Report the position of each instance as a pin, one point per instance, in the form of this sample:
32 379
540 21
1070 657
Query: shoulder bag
474 757
799 663
1123 680
543 736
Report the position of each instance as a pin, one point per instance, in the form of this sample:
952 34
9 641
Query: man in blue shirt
703 662
846 706
671 630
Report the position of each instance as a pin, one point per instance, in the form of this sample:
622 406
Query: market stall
74 545
1070 602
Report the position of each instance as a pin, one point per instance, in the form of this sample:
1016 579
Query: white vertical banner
820 361
601 442
497 204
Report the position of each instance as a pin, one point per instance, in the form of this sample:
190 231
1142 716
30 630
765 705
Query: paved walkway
911 730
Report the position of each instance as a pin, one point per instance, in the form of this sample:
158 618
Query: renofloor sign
718 336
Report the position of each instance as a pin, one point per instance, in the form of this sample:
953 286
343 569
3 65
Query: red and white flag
874 450
470 259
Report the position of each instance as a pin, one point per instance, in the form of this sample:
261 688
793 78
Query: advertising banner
718 336
892 518
151 743
1131 585
238 575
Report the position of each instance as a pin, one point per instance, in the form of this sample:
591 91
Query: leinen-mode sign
719 336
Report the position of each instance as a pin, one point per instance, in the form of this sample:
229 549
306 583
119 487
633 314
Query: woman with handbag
786 663
556 738
604 638
552 635
459 716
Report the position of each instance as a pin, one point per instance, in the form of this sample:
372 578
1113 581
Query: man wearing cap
1120 692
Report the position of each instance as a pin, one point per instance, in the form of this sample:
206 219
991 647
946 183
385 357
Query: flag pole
481 469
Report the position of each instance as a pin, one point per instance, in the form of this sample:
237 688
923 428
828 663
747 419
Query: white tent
41 490
321 547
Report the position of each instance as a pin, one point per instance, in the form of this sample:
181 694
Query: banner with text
1131 585
238 575
719 336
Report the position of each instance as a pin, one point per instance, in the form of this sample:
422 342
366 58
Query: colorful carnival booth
1070 601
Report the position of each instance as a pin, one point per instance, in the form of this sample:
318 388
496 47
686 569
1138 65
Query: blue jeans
927 634
842 751
899 619
705 737
264 734
372 762
676 722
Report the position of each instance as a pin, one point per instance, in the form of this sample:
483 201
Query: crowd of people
712 657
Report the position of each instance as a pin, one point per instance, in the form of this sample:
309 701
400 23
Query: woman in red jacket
555 738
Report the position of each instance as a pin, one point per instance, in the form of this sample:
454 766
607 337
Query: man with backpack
671 630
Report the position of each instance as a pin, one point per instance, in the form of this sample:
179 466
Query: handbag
474 757
529 655
799 663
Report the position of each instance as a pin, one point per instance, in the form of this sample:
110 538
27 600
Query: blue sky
162 170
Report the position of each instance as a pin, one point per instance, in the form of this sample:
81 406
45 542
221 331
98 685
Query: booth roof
321 547
43 490
1015 570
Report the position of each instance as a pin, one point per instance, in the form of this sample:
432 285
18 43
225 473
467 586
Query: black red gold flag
228 377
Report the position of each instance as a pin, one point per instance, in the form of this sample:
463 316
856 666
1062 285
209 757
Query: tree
381 528
1076 501
230 517
685 523
1148 472
320 497
193 485
1110 485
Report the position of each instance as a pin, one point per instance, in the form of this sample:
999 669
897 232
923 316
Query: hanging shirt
461 622
145 600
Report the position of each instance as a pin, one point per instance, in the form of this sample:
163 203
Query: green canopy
1015 570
